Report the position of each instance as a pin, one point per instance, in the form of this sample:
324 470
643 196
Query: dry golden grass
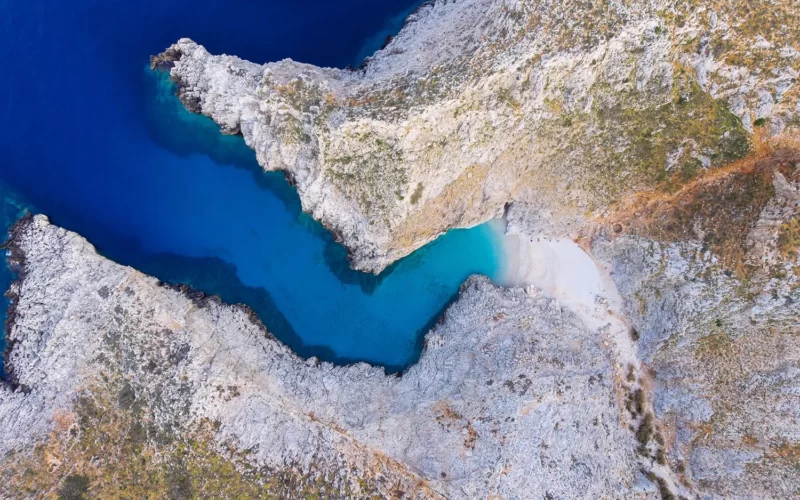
723 204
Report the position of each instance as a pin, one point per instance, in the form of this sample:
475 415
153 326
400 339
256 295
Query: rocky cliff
130 383
660 138
556 109
681 382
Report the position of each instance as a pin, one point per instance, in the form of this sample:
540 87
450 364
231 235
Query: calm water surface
97 142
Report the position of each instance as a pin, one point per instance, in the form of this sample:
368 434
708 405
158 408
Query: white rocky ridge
511 391
477 104
645 155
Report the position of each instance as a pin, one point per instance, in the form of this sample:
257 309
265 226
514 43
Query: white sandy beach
562 270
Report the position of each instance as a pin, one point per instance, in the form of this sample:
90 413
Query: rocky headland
646 157
558 110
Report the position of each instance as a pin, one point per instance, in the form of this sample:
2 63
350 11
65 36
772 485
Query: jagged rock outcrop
662 137
710 280
513 394
559 109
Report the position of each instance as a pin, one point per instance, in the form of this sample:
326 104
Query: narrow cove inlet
419 249
191 206
203 213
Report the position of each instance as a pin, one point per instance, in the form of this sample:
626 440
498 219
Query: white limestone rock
477 104
513 395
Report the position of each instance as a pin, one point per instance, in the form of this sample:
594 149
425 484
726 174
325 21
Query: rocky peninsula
557 111
646 157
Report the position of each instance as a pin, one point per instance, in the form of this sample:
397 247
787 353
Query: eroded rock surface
660 137
557 108
512 394
713 295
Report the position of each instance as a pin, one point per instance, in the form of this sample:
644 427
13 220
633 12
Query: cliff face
125 386
661 138
559 109
111 367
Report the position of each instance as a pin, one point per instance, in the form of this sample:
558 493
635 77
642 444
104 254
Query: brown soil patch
719 208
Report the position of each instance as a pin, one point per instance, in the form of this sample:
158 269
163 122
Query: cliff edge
558 110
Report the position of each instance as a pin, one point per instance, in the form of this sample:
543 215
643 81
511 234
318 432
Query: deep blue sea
95 140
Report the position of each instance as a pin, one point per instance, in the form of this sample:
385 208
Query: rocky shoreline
478 402
15 261
507 378
508 112
649 150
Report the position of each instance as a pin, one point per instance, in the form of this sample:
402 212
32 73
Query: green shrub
645 430
74 488
417 194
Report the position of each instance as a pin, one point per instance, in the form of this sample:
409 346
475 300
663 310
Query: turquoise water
99 143
12 207
211 218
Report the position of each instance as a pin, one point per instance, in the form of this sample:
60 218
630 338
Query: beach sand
562 270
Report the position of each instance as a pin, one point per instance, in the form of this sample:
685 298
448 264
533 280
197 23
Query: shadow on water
183 134
210 275
214 274
12 208
350 308
121 162
220 278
